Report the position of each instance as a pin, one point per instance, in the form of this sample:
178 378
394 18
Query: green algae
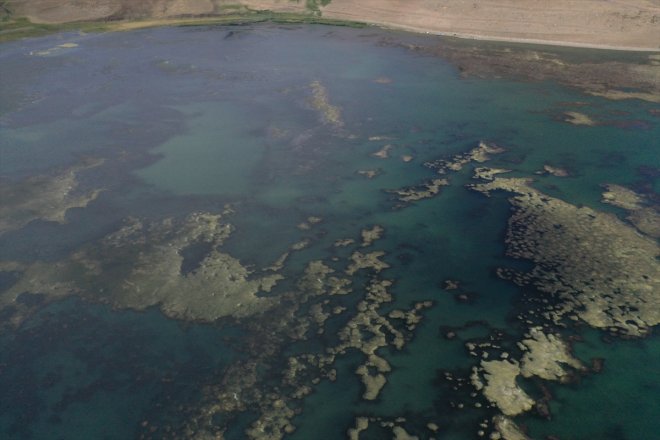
330 114
44 197
602 270
139 266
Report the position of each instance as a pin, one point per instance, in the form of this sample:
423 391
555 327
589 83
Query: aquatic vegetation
602 270
383 153
641 212
545 355
481 153
361 424
370 235
370 174
612 79
54 50
330 114
370 260
44 197
424 191
555 171
499 386
619 95
343 242
596 268
311 221
140 266
506 429
433 187
395 427
484 173
622 197
577 118
244 386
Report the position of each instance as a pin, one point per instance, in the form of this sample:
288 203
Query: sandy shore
609 24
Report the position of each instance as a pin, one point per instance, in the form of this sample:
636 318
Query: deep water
191 119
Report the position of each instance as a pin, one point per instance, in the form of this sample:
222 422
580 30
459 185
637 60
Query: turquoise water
619 402
192 119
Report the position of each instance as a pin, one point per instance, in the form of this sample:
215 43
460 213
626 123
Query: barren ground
621 24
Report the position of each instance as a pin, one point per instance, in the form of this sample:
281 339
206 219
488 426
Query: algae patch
500 386
330 114
592 266
431 188
601 269
44 197
641 212
140 266
577 118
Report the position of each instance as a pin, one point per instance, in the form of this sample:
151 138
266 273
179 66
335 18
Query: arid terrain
590 23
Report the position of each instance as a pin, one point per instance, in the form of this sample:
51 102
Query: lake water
277 122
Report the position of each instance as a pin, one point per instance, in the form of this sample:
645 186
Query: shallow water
192 119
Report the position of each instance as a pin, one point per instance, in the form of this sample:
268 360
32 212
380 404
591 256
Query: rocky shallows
370 235
480 154
577 118
271 381
499 386
590 267
546 355
642 213
424 191
44 197
330 114
601 270
142 265
433 187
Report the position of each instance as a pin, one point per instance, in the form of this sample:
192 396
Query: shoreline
497 39
29 28
630 26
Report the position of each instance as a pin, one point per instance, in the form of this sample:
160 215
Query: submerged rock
555 171
367 261
370 174
401 434
601 269
369 235
577 118
361 424
424 191
506 429
500 386
45 197
642 213
140 266
546 356
383 153
330 114
481 153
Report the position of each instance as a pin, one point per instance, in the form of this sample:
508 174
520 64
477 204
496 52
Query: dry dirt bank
621 24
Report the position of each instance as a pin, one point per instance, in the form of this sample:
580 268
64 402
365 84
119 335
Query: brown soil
621 24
